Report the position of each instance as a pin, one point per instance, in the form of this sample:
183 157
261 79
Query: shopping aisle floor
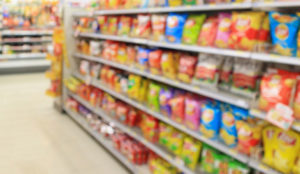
36 139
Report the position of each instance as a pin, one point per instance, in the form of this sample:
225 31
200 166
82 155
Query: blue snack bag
175 25
143 58
284 29
210 121
228 131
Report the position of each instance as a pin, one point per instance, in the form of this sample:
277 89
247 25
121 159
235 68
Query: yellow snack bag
143 90
175 3
169 64
268 138
296 169
122 54
286 150
134 84
191 152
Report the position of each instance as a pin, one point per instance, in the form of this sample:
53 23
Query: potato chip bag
208 159
245 29
158 27
143 58
228 131
223 33
144 3
144 26
165 95
264 33
103 24
113 22
134 83
178 105
269 135
153 97
154 61
210 121
192 28
284 30
169 64
276 88
191 152
136 3
192 2
165 131
134 27
192 112
122 54
113 4
208 32
221 164
131 55
124 25
296 106
225 80
157 3
237 167
176 142
298 40
175 25
296 168
174 3
143 91
186 69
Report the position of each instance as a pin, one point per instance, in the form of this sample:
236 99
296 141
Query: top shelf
206 7
26 32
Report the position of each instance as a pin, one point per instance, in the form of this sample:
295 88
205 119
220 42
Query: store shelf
272 58
216 144
262 167
24 64
26 41
106 143
215 94
22 56
282 4
262 115
25 33
136 135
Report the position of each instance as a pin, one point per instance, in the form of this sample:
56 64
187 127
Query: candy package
284 28
245 29
124 25
113 22
178 105
154 61
169 64
225 79
158 27
191 152
223 33
187 64
143 58
210 121
175 25
144 26
192 28
192 112
153 96
208 32
165 95
174 3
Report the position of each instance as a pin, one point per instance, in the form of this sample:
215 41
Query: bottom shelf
107 144
24 66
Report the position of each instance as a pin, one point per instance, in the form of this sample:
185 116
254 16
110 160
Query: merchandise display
197 86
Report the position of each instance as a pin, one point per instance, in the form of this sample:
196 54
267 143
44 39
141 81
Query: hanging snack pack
175 25
125 26
192 28
224 30
154 61
284 28
144 26
191 152
210 121
165 95
209 31
186 69
158 23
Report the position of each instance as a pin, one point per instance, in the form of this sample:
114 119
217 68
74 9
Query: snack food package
95 71
124 25
296 105
191 152
276 88
208 32
296 168
165 132
131 55
225 80
192 28
208 159
174 3
154 61
221 164
269 134
264 34
223 32
169 64
175 25
228 131
134 27
165 95
122 54
157 3
176 142
134 83
122 112
144 26
192 112
113 22
144 3
95 48
284 30
143 91
143 58
210 121
136 3
103 24
186 70
84 67
192 2
178 105
153 97
237 167
158 23
245 29
113 4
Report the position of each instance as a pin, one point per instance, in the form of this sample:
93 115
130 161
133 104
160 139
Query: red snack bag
178 106
122 111
276 88
113 22
297 103
154 61
113 48
144 26
132 118
158 27
187 65
209 32
131 55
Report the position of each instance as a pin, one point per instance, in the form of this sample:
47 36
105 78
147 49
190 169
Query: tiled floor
36 139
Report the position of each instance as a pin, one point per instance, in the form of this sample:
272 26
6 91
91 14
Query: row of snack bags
250 31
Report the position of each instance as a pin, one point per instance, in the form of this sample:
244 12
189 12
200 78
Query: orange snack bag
208 32
113 22
297 102
154 61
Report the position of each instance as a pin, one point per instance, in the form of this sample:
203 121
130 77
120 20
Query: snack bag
296 168
165 95
124 26
158 27
186 69
143 58
178 105
95 48
112 4
136 3
221 164
143 91
225 80
122 54
144 26
113 22
208 159
131 55
245 29
84 67
134 27
176 142
169 64
284 28
264 34
237 167
210 121
297 102
208 32
174 3
165 131
103 24
122 112
228 131
223 32
134 83
144 4
191 152
287 149
192 113
269 135
154 61
192 2
192 28
276 88
207 69
175 25
153 97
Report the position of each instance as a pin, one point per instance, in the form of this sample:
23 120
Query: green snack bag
208 159
237 167
192 28
153 97
221 164
192 2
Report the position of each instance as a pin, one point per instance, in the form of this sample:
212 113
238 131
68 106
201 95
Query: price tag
281 116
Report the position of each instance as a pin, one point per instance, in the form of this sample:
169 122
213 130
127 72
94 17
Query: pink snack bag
223 32
192 112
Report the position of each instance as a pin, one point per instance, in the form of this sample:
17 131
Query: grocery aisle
36 139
